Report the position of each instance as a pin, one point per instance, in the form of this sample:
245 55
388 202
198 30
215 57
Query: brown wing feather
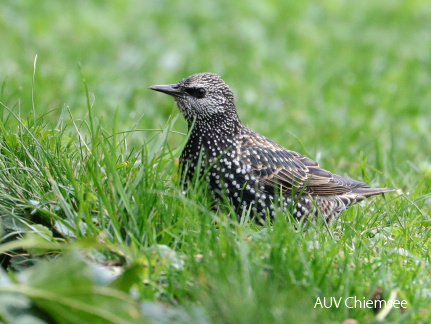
277 166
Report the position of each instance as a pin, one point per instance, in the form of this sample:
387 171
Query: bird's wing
275 166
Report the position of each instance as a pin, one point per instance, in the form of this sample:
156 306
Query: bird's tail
368 192
357 195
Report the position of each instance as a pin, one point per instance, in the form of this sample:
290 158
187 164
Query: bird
259 176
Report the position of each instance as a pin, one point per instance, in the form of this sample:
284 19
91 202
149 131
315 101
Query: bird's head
202 96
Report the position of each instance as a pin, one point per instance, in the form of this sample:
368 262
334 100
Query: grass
95 224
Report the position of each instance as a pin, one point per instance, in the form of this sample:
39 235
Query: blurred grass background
343 76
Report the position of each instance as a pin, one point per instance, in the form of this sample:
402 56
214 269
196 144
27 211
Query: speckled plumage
250 169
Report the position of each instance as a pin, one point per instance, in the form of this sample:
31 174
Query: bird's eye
196 92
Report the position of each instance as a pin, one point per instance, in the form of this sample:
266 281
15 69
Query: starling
256 174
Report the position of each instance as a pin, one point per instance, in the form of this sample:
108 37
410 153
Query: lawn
95 226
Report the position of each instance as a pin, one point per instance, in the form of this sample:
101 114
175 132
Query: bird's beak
170 89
